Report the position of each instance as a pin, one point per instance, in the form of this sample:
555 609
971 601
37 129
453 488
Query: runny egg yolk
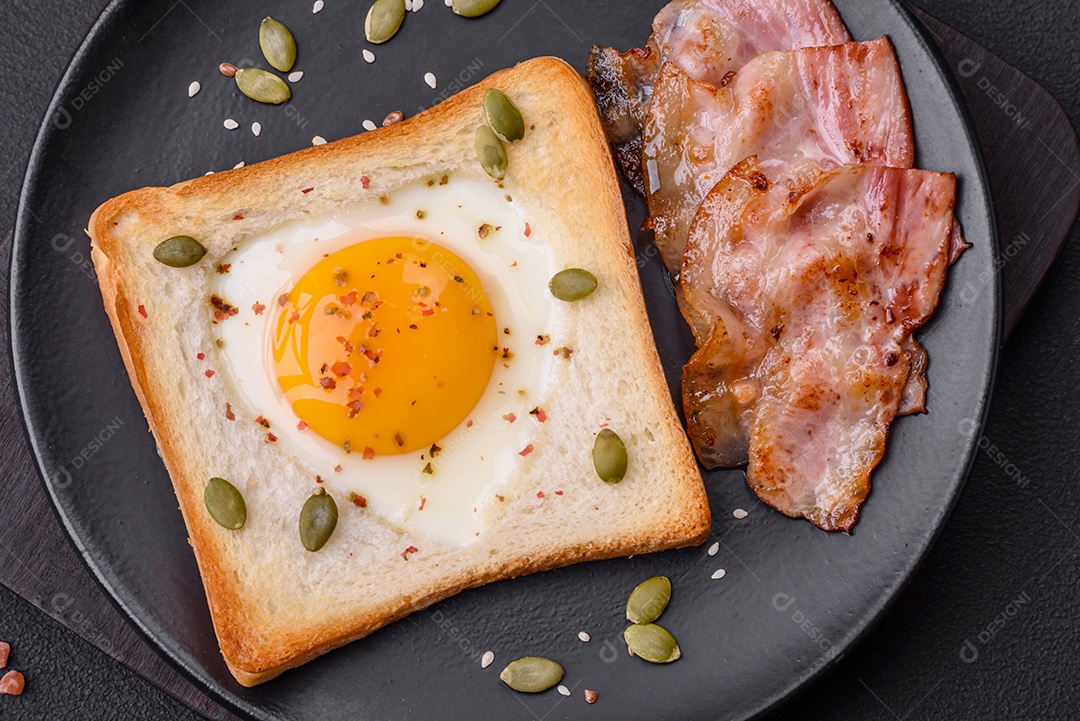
384 347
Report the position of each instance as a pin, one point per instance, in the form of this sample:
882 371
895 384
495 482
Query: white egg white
477 457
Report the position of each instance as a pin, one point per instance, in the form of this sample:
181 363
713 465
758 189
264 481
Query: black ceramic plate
793 598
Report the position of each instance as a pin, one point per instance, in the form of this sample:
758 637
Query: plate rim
869 618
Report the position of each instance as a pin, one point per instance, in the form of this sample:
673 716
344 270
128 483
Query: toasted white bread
276 605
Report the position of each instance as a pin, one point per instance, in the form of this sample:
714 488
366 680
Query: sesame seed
585 638
739 513
408 4
369 125
231 124
256 129
317 8
449 4
296 76
564 690
368 56
714 549
318 140
429 78
718 574
417 4
239 165
194 89
487 660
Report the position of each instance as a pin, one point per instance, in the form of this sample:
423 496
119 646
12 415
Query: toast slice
276 605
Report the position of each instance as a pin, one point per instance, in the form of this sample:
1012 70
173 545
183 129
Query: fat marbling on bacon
798 111
815 286
707 40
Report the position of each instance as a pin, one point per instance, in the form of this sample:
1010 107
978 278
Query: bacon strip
818 285
706 39
799 112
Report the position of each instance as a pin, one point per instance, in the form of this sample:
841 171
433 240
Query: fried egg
397 351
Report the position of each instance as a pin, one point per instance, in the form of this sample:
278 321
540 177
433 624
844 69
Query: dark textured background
1005 566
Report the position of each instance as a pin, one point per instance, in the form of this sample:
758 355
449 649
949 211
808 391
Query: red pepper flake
354 408
377 392
528 230
294 317
539 494
468 424
423 502
510 417
238 217
372 355
262 422
407 551
539 413
348 299
427 312
502 499
369 453
222 309
398 439
365 182
201 356
558 493
318 479
359 501
142 311
283 299
337 468
271 437
305 191
543 339
328 383
258 308
209 374
228 412
564 352
341 369
526 450
301 426
224 268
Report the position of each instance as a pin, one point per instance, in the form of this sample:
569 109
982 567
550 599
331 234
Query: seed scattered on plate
256 129
408 5
239 165
562 689
296 76
450 3
228 70
209 172
317 7
591 696
395 117
368 56
739 513
429 78
718 574
318 140
417 4
231 124
714 549
585 638
487 660
194 89
369 125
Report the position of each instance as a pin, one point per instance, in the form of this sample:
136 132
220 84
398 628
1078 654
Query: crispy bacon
816 285
799 112
706 39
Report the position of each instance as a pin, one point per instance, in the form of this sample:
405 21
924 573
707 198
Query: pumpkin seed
572 284
473 8
278 45
503 116
648 600
491 153
652 643
180 251
225 504
609 456
318 519
262 86
383 20
532 674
